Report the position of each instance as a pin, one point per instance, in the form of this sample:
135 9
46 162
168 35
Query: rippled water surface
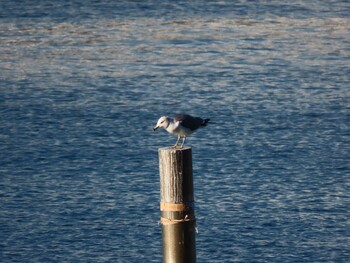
84 82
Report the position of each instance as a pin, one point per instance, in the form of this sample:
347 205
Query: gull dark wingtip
205 122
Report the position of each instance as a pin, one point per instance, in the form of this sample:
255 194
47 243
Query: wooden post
177 205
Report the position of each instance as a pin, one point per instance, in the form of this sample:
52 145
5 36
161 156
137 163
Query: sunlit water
82 85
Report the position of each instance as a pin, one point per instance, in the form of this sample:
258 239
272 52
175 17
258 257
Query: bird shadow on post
177 205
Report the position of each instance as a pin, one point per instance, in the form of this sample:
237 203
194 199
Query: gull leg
183 141
178 139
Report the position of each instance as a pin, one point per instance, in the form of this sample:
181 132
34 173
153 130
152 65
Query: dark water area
84 82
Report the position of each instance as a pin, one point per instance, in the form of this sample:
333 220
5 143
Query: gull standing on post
181 124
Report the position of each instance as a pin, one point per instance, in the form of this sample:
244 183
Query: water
82 85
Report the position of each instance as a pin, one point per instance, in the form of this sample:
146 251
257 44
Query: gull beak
155 128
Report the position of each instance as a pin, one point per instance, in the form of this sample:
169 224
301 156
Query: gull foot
176 147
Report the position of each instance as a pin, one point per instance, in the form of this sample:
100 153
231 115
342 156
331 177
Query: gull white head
163 122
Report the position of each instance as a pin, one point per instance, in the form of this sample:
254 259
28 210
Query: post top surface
174 149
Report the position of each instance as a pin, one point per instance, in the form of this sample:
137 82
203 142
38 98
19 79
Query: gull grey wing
192 123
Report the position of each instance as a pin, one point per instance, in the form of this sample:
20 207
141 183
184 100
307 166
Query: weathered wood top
176 180
186 148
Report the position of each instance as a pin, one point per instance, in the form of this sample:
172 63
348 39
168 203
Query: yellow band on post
172 207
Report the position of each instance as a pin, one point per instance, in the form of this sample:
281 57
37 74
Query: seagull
181 124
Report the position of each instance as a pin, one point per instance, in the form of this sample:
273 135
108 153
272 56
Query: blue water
84 82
